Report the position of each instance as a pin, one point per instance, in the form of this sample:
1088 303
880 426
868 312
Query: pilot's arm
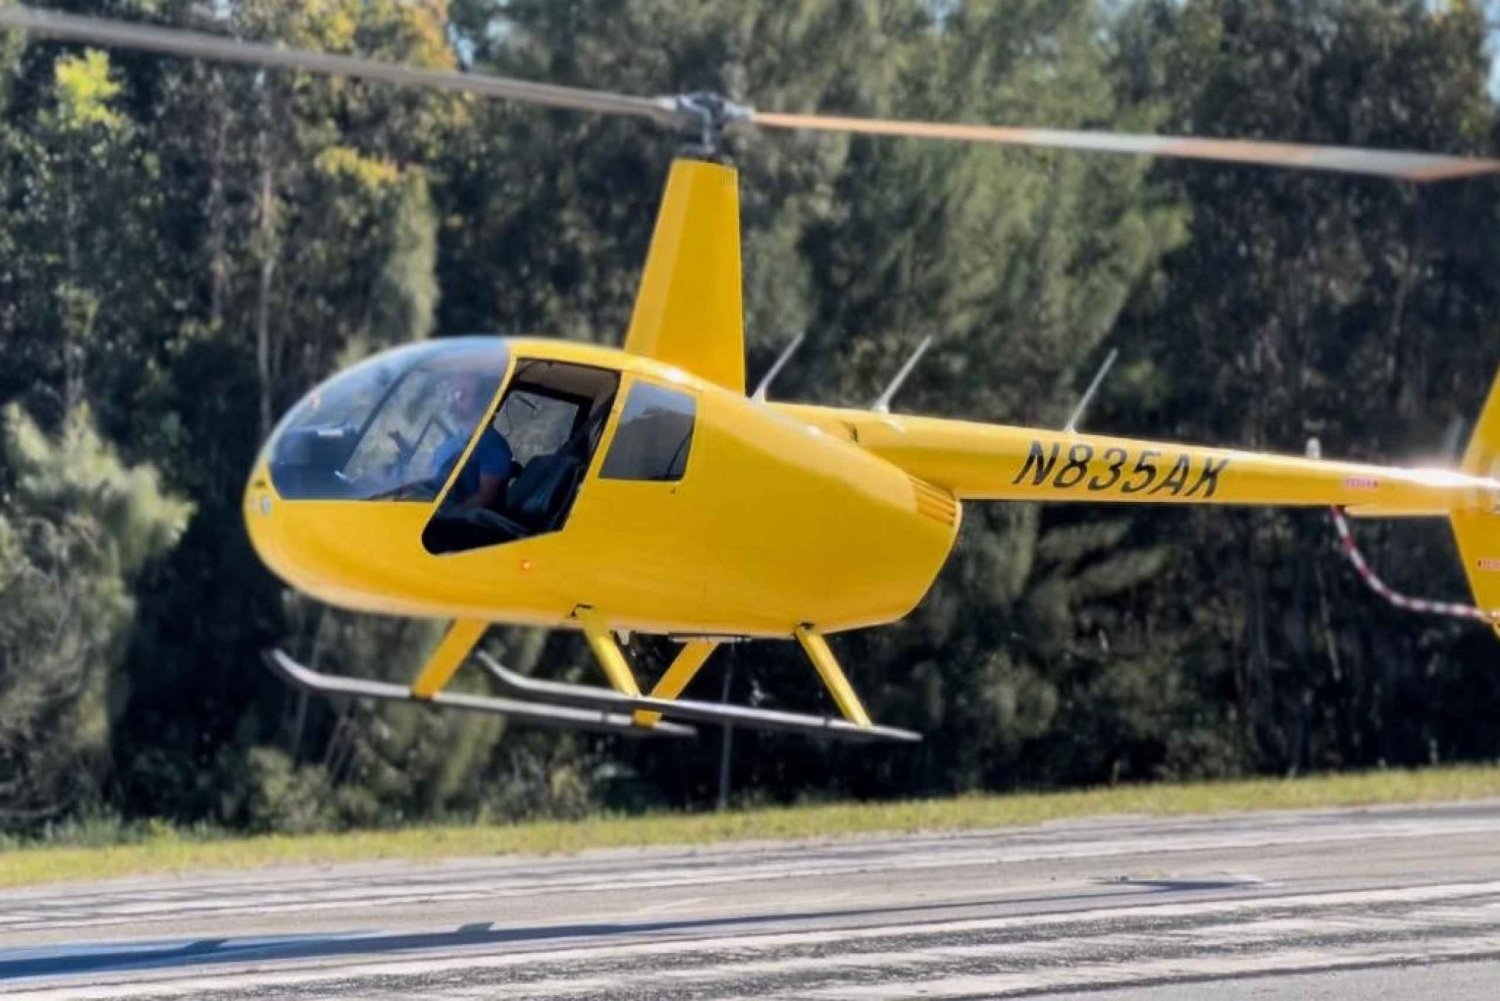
489 493
492 455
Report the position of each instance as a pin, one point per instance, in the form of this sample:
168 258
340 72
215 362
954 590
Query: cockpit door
637 500
521 474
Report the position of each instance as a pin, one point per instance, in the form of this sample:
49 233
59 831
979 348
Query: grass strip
169 851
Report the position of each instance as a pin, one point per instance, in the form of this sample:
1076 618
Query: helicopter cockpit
420 424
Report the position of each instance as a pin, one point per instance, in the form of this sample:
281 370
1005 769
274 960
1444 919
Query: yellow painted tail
1478 530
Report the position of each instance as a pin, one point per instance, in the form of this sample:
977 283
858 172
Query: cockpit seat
545 484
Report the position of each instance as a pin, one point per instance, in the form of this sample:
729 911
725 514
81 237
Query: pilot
481 484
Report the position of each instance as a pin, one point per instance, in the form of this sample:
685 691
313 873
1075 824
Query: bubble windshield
392 427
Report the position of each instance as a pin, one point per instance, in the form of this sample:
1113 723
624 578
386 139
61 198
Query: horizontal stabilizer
562 693
525 712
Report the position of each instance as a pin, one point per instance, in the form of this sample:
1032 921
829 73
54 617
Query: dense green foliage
77 528
185 249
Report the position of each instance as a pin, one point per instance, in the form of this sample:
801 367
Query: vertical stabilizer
688 311
1478 530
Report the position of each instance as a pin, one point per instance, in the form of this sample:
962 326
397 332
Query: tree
1017 263
1310 305
187 248
72 304
77 528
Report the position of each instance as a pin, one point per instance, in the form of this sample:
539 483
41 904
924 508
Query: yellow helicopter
644 490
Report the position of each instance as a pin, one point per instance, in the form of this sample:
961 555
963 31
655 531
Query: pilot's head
467 396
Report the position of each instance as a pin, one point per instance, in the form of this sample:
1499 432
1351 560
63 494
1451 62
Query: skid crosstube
597 720
560 693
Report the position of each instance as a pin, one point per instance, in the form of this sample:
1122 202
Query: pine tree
77 528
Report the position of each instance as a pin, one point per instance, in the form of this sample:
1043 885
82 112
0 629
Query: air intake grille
935 502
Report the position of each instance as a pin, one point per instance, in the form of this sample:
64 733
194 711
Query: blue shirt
491 457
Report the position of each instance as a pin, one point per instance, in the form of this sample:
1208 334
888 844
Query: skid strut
677 675
624 695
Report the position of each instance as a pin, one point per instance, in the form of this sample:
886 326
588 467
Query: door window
535 423
654 437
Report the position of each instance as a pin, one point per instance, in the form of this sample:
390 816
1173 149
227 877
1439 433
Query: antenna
1453 439
1088 394
882 404
777 366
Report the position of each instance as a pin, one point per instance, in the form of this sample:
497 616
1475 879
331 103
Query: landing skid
567 717
621 708
560 693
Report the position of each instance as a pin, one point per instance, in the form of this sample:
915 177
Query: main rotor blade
198 45
1342 159
690 110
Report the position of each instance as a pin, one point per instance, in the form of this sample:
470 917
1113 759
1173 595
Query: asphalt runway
1371 904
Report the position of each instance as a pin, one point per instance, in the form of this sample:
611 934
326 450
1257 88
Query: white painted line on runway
1060 968
1282 827
668 906
1016 954
731 955
1003 984
336 893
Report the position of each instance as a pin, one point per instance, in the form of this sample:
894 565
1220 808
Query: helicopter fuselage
773 523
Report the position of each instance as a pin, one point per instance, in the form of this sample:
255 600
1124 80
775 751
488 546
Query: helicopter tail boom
1003 463
975 461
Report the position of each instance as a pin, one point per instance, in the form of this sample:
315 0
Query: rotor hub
706 115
